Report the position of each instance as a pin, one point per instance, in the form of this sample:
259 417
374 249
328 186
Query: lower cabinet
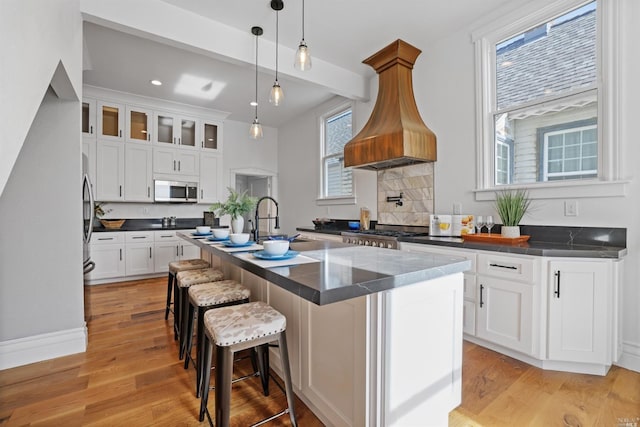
107 252
579 311
127 254
505 313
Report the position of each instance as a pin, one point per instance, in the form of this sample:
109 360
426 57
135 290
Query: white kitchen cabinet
89 117
110 117
210 177
176 130
210 134
138 124
505 313
139 252
176 162
138 173
168 247
108 254
109 171
580 298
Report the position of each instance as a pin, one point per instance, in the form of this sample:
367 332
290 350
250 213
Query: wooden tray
495 238
112 224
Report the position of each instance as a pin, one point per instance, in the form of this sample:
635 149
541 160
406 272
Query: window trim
321 199
608 32
555 129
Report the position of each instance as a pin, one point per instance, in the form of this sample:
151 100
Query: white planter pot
510 231
237 224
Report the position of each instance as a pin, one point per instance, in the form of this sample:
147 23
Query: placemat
300 259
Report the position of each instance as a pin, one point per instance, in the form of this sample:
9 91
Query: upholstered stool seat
174 268
184 280
235 328
204 297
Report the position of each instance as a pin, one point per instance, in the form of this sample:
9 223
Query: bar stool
236 328
174 268
205 297
184 280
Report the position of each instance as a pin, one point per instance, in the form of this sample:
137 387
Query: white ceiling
340 32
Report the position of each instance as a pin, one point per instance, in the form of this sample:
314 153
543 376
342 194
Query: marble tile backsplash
416 184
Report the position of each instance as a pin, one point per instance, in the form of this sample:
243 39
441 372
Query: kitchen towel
300 259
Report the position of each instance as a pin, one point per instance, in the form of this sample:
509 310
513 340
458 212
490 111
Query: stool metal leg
263 366
184 321
188 338
286 371
170 279
176 309
206 371
224 373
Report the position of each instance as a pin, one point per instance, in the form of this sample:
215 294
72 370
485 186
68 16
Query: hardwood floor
130 375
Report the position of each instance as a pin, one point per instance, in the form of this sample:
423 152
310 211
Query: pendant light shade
255 131
276 96
303 56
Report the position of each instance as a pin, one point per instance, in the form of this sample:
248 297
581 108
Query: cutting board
495 238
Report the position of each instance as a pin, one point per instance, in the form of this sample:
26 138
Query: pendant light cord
302 20
277 14
256 98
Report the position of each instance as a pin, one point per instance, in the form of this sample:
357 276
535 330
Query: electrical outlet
570 208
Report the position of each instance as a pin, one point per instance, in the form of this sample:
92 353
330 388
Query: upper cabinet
174 129
89 117
110 121
210 136
138 124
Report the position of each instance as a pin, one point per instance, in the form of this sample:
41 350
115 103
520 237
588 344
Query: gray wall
41 283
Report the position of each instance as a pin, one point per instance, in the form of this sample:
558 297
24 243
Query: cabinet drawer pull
148 191
167 235
178 165
556 291
120 254
177 251
91 130
120 190
510 267
139 237
481 289
120 133
149 253
201 193
174 165
181 250
105 238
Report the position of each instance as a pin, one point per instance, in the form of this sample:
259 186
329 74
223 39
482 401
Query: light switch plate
570 208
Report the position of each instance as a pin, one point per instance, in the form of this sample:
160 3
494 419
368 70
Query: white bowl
275 247
202 229
239 238
220 233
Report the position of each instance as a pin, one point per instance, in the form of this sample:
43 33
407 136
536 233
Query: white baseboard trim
23 351
630 358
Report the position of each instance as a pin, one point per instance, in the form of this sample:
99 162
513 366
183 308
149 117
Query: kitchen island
376 334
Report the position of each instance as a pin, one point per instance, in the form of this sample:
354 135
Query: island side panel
420 352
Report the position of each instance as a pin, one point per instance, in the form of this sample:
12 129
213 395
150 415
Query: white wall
41 283
299 158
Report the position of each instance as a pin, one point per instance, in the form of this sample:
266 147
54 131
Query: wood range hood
395 134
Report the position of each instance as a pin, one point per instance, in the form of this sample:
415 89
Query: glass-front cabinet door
164 128
187 133
110 120
138 124
89 117
209 136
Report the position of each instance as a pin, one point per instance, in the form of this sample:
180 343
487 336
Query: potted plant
236 206
511 206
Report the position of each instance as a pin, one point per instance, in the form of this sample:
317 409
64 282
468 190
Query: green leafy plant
237 204
511 206
99 210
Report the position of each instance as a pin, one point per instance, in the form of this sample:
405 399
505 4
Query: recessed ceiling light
156 82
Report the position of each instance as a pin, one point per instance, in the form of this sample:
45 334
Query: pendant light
303 57
256 129
276 96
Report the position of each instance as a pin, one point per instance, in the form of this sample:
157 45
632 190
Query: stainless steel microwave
176 191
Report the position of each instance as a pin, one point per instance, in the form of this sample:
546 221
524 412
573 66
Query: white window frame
323 200
519 20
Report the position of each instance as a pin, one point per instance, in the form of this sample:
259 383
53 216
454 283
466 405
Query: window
337 181
540 73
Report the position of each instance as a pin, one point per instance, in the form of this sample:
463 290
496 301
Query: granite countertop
345 271
549 241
